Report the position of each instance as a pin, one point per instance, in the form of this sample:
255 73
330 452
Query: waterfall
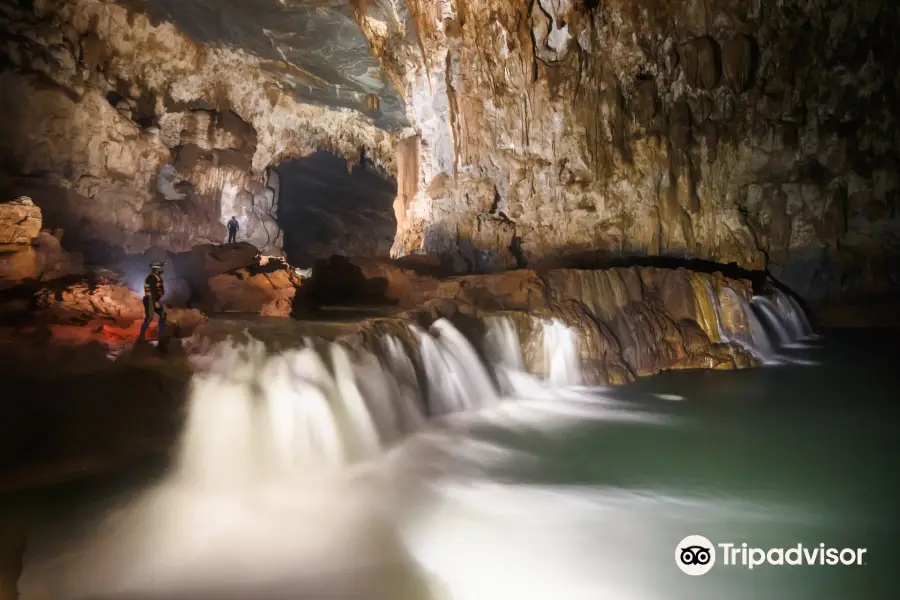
761 341
755 339
561 358
770 324
504 352
794 316
456 377
769 315
502 343
254 415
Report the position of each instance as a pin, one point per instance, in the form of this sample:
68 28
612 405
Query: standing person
154 289
233 228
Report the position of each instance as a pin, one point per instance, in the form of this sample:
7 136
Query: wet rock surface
631 321
733 132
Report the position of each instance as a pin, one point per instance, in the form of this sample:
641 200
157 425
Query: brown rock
183 322
20 221
644 104
211 260
17 263
738 61
341 280
251 291
680 125
54 261
701 62
86 300
280 307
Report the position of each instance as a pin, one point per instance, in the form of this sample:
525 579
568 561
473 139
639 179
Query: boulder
268 290
84 300
210 260
43 258
53 260
20 221
17 263
372 281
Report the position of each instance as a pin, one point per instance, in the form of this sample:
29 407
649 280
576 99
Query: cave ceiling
313 47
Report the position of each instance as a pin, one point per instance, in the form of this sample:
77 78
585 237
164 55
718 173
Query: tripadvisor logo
696 555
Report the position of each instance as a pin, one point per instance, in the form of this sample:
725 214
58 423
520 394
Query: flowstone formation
130 134
759 133
629 322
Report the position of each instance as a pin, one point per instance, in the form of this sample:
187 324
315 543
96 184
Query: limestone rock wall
129 134
754 132
26 250
629 322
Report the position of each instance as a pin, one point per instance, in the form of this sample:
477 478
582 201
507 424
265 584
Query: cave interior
326 208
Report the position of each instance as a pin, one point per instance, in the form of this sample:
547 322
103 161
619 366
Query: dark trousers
232 236
149 310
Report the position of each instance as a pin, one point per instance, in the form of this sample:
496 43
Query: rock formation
630 321
758 133
129 134
535 133
104 308
26 250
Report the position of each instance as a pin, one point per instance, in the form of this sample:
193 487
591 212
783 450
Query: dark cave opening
326 210
114 97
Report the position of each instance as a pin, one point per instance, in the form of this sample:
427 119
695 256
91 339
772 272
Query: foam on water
314 473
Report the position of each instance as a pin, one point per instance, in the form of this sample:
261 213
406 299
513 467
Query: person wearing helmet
154 289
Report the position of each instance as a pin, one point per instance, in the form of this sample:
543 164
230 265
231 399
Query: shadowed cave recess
442 204
326 209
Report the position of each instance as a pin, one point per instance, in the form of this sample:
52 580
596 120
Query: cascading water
794 316
756 339
561 360
785 325
771 325
458 380
504 352
270 494
265 457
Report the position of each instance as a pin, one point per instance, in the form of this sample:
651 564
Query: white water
264 498
561 360
784 320
772 326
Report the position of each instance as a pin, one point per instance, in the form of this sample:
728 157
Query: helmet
157 265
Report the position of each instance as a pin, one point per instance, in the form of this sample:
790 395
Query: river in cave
314 474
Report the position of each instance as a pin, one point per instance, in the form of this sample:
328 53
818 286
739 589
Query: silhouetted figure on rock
154 289
233 228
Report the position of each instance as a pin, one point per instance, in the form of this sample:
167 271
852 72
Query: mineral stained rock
629 321
133 135
729 131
